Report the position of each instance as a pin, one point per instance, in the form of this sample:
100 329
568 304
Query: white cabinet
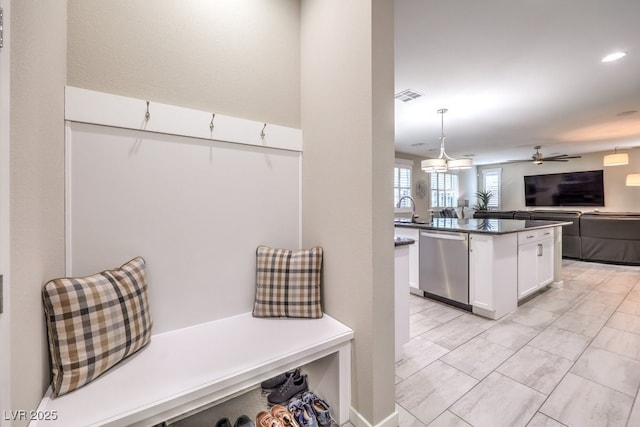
493 273
414 256
535 260
402 254
527 266
545 259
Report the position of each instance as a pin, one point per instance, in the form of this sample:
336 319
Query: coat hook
147 115
213 116
262 134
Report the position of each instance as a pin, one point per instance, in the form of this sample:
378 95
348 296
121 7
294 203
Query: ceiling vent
408 95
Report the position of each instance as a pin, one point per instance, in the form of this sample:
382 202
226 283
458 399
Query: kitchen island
483 265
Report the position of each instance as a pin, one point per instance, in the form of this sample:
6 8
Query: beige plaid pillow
94 322
288 283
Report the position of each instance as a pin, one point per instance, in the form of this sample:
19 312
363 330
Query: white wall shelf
88 106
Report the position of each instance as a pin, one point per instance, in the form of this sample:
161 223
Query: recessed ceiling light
614 56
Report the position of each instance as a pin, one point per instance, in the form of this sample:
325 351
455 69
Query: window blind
402 185
492 181
444 190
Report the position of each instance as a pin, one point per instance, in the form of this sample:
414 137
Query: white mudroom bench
186 370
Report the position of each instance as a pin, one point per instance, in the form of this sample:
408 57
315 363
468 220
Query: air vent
408 95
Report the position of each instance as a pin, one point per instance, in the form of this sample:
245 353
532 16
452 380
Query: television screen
565 189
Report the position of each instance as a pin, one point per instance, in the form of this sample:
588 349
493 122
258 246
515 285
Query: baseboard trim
559 284
416 291
359 421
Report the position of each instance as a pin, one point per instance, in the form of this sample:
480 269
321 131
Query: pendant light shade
459 164
633 180
616 159
434 165
444 162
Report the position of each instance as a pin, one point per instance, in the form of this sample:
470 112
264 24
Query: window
492 181
402 182
444 190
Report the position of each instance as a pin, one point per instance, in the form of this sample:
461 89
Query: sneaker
244 421
303 413
320 408
292 386
284 416
266 419
275 382
223 422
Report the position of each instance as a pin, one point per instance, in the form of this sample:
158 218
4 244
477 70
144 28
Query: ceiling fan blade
538 158
517 161
562 156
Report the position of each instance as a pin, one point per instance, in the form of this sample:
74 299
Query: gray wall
347 111
38 72
239 58
618 197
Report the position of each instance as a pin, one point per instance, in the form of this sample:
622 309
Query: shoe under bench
187 370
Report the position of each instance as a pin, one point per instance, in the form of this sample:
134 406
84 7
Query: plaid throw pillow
288 283
94 322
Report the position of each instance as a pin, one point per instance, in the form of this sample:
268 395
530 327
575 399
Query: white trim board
358 420
88 106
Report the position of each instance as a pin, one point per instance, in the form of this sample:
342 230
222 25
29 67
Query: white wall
38 72
618 197
187 205
347 120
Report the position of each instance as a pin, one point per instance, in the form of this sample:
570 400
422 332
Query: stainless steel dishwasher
444 266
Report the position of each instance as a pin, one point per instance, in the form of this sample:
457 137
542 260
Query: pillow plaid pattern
94 322
288 283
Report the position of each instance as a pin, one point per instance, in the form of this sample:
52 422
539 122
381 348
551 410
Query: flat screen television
565 189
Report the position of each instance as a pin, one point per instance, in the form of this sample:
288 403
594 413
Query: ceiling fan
537 158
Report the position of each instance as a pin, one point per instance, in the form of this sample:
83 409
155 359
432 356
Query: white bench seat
186 369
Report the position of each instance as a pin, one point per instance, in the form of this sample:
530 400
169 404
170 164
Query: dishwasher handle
445 236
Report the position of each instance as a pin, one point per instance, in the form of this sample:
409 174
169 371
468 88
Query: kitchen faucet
413 207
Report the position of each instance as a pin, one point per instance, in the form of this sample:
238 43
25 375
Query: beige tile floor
569 356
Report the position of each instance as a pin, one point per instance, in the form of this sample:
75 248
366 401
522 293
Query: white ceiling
515 74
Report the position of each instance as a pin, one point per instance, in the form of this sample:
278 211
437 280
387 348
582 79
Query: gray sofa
612 237
494 214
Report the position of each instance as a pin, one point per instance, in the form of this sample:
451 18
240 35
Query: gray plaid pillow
94 322
288 283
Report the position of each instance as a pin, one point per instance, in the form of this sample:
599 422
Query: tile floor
568 356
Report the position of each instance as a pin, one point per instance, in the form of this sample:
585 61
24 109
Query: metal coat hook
262 134
147 115
213 116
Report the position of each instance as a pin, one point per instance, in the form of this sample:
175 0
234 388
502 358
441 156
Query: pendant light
444 162
616 159
633 180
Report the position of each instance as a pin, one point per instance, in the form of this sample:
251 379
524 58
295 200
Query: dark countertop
403 241
478 225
